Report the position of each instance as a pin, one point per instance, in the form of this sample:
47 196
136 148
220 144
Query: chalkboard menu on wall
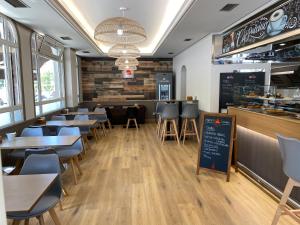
228 81
217 131
279 20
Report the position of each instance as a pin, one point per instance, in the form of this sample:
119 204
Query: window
48 76
11 108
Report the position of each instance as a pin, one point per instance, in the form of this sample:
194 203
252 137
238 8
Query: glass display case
268 99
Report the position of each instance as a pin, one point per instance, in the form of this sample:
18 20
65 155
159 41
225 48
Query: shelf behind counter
258 151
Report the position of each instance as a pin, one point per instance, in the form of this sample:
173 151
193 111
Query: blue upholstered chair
70 154
83 110
41 164
19 154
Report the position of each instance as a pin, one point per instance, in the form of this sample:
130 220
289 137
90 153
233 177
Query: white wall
197 60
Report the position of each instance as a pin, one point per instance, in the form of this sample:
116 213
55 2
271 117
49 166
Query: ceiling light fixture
126 62
282 44
124 50
120 30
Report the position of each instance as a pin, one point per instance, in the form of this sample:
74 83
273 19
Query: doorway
183 83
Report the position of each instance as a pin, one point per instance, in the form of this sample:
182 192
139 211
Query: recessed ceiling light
282 44
66 38
228 7
17 3
170 53
188 39
86 52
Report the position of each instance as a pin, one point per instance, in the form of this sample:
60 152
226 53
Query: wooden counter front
266 124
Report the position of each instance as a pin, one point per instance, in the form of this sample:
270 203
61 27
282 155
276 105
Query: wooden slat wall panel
101 80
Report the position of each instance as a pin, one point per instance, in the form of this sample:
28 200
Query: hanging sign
279 20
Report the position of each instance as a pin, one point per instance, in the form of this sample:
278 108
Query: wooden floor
130 178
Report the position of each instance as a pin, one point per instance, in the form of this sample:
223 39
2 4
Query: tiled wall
102 81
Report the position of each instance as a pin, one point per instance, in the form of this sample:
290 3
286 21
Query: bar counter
258 151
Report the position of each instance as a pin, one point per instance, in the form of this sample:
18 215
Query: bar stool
132 113
189 115
290 154
158 112
170 115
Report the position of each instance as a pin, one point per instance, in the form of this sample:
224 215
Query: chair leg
136 125
86 140
109 124
95 134
64 190
73 170
103 128
128 121
176 131
26 222
184 129
164 131
287 191
60 205
77 165
41 219
54 216
158 126
196 130
16 222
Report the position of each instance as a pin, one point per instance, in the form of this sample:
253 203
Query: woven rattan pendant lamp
120 30
126 62
127 67
124 50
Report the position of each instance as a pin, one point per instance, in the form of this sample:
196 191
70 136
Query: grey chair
41 164
170 114
290 154
59 117
190 114
71 154
102 119
82 110
85 130
158 111
19 154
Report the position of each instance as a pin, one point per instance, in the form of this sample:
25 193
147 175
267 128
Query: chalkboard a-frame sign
216 142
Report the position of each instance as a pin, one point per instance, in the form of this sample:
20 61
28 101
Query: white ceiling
202 18
42 18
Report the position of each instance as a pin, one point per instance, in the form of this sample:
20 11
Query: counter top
266 124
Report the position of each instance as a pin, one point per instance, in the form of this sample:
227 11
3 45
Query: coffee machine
164 86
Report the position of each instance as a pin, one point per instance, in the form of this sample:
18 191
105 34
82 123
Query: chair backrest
190 110
82 110
44 164
72 131
170 111
290 154
81 117
101 110
132 112
32 132
160 107
58 117
43 151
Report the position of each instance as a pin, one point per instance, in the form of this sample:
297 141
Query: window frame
36 55
6 44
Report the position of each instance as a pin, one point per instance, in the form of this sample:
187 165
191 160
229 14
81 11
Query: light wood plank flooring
130 178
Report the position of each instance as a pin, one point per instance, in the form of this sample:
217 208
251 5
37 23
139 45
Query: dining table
22 192
39 142
82 113
71 123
